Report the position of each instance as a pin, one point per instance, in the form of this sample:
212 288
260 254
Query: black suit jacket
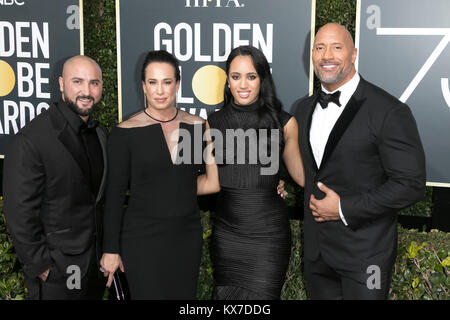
374 160
50 209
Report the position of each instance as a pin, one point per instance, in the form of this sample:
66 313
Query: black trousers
92 285
323 282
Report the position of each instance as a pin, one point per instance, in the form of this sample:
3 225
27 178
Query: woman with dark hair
251 236
157 238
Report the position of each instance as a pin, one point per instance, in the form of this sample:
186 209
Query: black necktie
90 126
325 98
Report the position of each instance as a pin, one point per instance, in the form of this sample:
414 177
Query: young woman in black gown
251 235
157 239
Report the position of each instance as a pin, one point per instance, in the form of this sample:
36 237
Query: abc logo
11 2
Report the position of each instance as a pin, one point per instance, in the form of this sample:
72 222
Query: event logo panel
404 48
201 34
35 39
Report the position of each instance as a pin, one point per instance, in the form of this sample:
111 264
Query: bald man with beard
53 181
363 162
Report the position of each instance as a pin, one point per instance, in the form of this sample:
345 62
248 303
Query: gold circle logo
208 83
7 78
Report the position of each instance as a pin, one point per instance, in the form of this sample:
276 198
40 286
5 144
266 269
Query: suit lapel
342 123
312 107
70 141
102 138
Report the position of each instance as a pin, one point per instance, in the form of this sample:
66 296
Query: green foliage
11 276
100 44
420 271
422 208
342 12
294 288
295 194
422 267
206 280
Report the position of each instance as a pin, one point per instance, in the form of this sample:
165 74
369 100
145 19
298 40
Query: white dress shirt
323 121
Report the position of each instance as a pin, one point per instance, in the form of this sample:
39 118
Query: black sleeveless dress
158 234
251 236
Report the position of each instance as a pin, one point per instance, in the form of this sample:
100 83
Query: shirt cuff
342 215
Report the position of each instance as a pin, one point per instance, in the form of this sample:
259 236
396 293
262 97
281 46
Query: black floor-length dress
158 234
251 236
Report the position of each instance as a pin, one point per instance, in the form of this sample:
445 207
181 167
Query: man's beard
81 112
339 76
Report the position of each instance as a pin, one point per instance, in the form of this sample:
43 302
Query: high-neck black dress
251 236
158 233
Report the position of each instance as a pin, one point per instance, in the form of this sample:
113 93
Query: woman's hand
280 189
109 263
208 182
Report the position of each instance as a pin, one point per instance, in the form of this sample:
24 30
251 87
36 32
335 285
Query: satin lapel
70 141
102 138
341 125
312 107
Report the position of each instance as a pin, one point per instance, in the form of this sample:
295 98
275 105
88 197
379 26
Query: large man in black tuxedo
54 172
363 162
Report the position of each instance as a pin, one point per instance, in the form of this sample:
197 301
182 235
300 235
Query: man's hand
43 276
109 263
280 189
326 209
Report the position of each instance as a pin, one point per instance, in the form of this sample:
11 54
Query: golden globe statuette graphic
208 83
7 78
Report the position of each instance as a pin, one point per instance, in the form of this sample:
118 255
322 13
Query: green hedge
422 267
100 44
421 270
12 285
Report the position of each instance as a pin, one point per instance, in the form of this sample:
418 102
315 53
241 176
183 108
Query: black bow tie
325 98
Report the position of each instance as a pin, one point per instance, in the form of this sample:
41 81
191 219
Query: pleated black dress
158 234
251 236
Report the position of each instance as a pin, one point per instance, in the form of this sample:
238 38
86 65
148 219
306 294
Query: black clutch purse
117 285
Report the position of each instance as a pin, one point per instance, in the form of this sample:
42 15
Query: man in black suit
53 181
363 162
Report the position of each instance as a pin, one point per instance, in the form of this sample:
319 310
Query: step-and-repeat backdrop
36 37
201 34
404 48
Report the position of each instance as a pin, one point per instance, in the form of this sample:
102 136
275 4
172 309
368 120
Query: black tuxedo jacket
374 160
50 209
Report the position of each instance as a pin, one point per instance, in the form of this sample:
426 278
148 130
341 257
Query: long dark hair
270 107
161 56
